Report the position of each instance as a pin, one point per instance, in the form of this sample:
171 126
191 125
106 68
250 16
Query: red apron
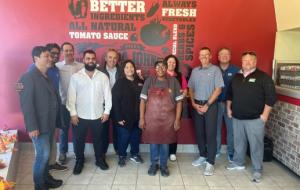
159 117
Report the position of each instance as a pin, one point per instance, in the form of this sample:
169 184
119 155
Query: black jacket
126 101
249 95
118 73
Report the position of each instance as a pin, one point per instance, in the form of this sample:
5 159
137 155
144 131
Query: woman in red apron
160 111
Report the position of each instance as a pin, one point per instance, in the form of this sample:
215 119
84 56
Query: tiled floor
183 176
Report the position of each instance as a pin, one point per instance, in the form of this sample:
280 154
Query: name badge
230 74
252 80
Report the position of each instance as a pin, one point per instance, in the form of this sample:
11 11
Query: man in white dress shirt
88 91
66 68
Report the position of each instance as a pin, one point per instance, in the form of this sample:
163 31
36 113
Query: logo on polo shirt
252 80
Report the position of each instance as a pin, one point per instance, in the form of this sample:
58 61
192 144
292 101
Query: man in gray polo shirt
205 85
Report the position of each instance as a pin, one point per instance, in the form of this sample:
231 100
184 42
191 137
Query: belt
200 102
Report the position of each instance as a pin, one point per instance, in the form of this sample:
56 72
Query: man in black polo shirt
251 96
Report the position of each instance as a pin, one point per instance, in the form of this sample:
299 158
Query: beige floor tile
123 187
143 169
241 181
148 180
172 188
270 188
171 180
102 179
194 179
286 181
221 188
82 179
147 187
245 188
74 187
23 187
217 181
125 179
196 187
128 168
187 168
266 182
98 187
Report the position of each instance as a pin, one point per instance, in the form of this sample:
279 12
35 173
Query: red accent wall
238 24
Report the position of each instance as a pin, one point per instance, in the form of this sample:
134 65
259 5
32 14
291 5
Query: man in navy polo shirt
228 71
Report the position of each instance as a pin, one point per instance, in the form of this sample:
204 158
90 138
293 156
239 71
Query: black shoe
164 172
41 187
153 169
122 161
78 168
53 183
101 163
137 159
58 167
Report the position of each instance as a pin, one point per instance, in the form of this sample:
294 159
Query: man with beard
66 68
88 91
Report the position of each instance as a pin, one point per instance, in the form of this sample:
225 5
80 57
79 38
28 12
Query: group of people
57 94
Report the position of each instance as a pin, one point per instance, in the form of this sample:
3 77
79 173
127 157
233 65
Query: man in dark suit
40 107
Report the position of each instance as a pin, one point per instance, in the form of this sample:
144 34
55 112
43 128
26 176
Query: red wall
238 24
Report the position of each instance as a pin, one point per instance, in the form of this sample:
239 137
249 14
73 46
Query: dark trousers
64 133
172 148
206 132
125 137
79 136
105 135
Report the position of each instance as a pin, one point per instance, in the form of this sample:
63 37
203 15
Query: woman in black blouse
125 100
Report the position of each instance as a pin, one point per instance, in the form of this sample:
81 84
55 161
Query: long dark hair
135 76
176 61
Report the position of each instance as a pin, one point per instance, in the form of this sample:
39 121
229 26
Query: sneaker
122 161
218 155
101 163
200 161
137 159
58 167
230 158
256 177
78 168
164 172
173 157
62 158
209 169
153 169
233 166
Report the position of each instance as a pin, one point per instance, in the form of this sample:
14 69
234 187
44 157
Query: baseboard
181 148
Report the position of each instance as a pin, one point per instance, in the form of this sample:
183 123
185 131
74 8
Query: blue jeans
222 113
42 146
159 152
64 133
125 137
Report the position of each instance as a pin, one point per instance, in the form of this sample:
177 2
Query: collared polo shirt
204 80
227 74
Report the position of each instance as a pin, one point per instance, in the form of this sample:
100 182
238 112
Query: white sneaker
256 177
233 166
200 161
173 157
209 169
